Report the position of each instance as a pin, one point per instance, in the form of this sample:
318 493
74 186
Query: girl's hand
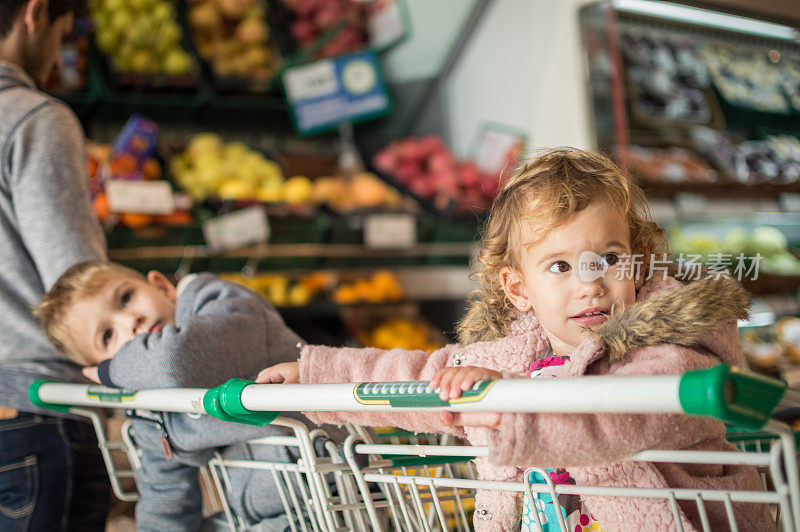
286 373
452 381
471 419
91 374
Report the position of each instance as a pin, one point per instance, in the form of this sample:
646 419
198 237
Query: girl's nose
591 289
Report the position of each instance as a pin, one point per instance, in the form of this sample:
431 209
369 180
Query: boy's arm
228 332
169 494
320 364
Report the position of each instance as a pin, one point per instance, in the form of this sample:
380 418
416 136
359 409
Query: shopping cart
428 487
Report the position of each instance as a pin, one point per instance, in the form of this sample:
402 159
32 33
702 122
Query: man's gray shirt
46 225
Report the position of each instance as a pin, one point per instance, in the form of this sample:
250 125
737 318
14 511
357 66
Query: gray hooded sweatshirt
221 331
46 225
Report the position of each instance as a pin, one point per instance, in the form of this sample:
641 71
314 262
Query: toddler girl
563 291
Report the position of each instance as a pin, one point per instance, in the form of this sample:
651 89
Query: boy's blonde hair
547 191
79 281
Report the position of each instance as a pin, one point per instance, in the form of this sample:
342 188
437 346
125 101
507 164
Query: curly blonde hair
547 191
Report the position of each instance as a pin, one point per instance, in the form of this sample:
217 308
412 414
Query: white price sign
237 229
390 231
146 197
311 81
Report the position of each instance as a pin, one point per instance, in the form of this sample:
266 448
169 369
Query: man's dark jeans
52 475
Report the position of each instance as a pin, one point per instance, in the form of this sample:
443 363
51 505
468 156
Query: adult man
51 475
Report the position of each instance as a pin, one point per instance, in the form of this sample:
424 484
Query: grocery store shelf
726 189
263 251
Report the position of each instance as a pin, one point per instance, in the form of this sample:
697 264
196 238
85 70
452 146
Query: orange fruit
135 220
176 218
92 167
123 165
101 206
151 169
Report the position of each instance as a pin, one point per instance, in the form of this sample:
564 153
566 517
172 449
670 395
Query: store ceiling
785 12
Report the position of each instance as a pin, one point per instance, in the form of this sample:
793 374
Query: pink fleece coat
670 330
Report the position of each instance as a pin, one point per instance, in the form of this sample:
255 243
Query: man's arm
47 175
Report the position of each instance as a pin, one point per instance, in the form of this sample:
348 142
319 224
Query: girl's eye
107 334
611 258
559 267
126 297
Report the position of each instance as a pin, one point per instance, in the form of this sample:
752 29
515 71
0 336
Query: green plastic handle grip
730 394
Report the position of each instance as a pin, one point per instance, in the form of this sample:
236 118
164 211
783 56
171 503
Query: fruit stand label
145 197
390 231
326 93
237 229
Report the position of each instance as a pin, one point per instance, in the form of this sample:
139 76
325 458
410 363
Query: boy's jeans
52 475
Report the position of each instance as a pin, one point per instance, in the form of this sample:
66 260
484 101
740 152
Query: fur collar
680 316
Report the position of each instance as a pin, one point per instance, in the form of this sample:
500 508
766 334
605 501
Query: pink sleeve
320 364
590 439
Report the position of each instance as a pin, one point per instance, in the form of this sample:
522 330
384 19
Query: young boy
137 332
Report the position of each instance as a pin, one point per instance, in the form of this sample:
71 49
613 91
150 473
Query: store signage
326 93
145 197
390 231
237 229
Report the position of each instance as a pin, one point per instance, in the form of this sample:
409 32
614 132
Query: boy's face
572 278
100 324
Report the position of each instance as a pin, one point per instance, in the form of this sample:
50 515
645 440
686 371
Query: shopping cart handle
225 402
33 396
733 395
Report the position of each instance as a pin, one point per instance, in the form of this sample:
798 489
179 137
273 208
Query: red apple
421 186
489 185
405 171
303 31
441 161
305 8
386 159
468 174
432 144
326 16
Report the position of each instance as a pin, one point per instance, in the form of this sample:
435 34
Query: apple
469 175
441 161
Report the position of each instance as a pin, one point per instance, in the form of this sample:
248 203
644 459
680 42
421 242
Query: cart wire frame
423 487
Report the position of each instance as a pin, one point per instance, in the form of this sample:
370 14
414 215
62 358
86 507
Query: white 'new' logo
591 266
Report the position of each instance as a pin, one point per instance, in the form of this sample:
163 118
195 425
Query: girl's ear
514 288
162 284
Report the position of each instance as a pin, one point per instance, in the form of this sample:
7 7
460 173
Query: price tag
237 229
497 147
689 204
390 231
329 92
311 81
385 23
146 197
789 201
